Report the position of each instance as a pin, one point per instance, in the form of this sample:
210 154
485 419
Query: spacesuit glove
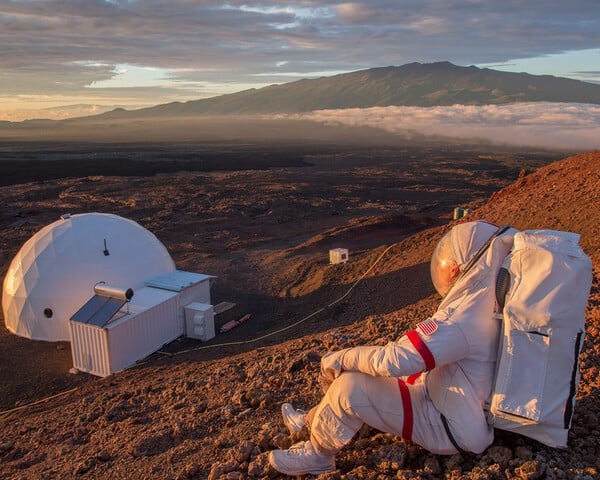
331 365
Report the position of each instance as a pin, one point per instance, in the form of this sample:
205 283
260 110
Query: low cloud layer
569 126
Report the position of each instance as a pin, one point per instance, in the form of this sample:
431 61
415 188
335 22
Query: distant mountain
430 84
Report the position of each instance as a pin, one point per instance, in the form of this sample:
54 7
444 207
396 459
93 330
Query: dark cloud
65 45
50 78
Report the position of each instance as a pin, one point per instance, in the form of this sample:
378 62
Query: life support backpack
542 293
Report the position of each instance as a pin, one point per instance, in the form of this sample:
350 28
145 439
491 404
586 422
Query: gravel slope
188 416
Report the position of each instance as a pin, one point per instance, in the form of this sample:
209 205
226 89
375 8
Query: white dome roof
54 273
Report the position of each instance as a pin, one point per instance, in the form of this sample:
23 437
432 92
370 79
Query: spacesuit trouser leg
355 398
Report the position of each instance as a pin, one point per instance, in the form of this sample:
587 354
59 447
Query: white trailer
111 332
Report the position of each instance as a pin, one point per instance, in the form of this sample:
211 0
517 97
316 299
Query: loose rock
500 455
219 469
530 470
260 467
103 456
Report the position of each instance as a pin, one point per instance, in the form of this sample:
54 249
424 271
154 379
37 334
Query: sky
63 58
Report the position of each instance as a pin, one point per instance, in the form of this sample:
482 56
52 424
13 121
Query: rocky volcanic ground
264 233
214 412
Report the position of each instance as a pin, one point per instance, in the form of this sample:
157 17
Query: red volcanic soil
214 412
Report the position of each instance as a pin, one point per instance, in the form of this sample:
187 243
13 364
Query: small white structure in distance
460 212
103 277
338 255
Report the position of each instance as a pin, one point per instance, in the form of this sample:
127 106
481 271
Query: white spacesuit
431 385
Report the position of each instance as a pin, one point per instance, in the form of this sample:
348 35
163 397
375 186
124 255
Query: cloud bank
568 126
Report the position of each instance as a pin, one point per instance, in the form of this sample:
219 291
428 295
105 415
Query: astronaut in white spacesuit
430 386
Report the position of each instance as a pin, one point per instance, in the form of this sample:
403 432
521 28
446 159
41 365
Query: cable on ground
288 327
16 409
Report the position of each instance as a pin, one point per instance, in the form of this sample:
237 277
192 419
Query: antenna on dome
106 252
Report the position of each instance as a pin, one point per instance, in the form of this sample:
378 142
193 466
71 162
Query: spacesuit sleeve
422 349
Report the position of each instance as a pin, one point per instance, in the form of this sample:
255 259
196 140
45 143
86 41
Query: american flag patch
427 327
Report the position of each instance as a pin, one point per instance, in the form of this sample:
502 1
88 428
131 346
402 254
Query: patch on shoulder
427 327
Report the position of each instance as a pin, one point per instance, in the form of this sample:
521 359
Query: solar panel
98 310
106 312
89 309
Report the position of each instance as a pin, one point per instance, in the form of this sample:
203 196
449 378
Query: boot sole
296 472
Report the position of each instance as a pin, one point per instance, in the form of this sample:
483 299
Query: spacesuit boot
301 459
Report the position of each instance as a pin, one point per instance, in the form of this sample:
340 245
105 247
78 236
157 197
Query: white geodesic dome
55 271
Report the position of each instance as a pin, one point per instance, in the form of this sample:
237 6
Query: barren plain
212 410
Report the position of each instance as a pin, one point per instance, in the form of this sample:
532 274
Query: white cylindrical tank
56 270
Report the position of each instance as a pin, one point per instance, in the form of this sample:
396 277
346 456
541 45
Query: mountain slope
414 84
195 418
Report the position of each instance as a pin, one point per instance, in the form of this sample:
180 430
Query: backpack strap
481 251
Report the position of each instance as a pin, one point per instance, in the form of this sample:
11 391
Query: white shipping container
151 322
